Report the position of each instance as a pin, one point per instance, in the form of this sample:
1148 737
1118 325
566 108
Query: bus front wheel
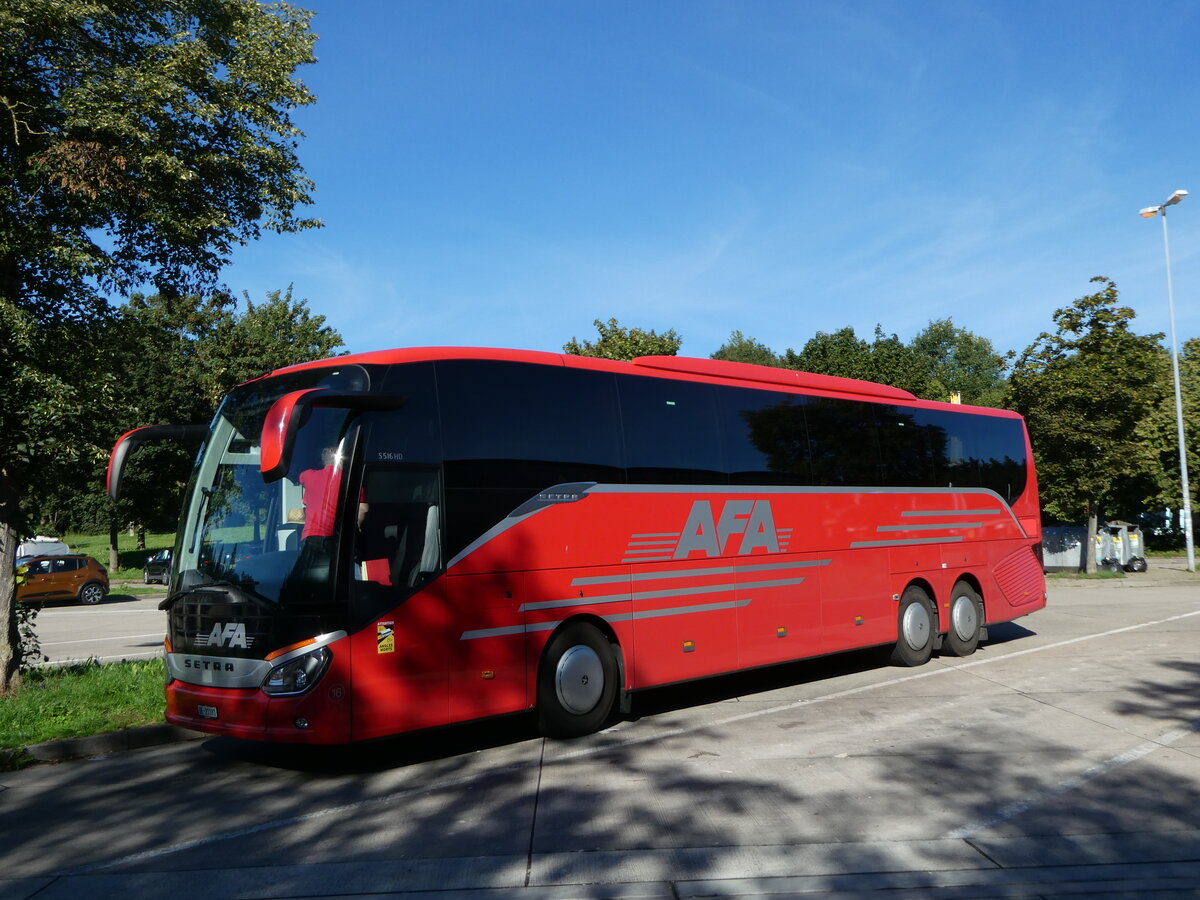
917 626
577 682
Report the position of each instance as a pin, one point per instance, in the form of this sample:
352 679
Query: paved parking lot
1062 759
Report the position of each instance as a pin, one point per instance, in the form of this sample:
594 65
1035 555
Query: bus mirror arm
287 413
131 440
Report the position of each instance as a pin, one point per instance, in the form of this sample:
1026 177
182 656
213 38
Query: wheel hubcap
579 679
916 625
965 618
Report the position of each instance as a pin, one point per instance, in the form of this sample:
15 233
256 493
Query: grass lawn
76 701
131 559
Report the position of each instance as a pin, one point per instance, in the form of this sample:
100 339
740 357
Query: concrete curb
111 742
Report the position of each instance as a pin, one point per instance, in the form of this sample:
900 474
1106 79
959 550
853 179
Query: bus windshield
276 541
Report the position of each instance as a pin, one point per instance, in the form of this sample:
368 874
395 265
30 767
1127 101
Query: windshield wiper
246 590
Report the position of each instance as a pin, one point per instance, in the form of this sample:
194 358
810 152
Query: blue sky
502 173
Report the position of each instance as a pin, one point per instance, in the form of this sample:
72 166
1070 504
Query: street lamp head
1175 198
1149 212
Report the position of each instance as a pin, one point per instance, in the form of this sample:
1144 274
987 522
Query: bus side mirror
131 440
286 415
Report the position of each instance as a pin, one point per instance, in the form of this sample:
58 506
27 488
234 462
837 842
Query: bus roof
683 367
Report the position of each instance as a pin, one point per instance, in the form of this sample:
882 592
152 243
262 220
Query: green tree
740 348
138 144
1160 430
618 342
886 360
1083 391
959 362
177 357
841 353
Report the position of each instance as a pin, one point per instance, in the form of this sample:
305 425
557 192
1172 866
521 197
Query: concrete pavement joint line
537 795
594 751
1018 807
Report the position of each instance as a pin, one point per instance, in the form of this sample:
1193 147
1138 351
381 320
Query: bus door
399 604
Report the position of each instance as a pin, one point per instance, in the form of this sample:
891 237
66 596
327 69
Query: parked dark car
157 568
61 578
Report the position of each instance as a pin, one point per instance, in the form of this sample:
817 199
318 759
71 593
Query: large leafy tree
1084 390
619 342
1160 430
741 348
177 356
139 143
886 359
960 362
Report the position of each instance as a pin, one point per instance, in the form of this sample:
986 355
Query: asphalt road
1061 760
122 626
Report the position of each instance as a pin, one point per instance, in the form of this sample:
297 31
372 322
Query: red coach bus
401 540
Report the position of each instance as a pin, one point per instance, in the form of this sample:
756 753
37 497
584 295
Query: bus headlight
297 675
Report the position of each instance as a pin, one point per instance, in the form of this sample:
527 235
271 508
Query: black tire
91 593
966 621
570 703
916 624
145 577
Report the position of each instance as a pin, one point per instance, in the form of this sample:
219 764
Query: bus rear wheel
916 628
966 621
577 682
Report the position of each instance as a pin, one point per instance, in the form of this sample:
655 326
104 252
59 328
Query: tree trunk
141 536
1093 525
10 637
114 559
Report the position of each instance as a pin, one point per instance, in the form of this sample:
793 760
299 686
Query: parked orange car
61 578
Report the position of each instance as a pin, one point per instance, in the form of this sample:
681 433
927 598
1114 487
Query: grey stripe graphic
934 527
678 611
658 594
904 543
691 573
950 512
620 617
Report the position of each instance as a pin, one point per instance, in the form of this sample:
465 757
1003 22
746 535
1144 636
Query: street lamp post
1148 213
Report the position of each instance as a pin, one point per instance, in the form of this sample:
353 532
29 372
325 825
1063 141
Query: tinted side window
905 455
843 442
999 445
410 434
671 434
510 430
977 451
764 437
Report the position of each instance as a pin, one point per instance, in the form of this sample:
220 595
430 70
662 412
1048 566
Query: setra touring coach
406 539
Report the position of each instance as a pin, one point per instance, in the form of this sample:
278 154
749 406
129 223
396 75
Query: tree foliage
740 348
177 356
139 143
1084 391
1160 430
886 359
960 362
618 342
